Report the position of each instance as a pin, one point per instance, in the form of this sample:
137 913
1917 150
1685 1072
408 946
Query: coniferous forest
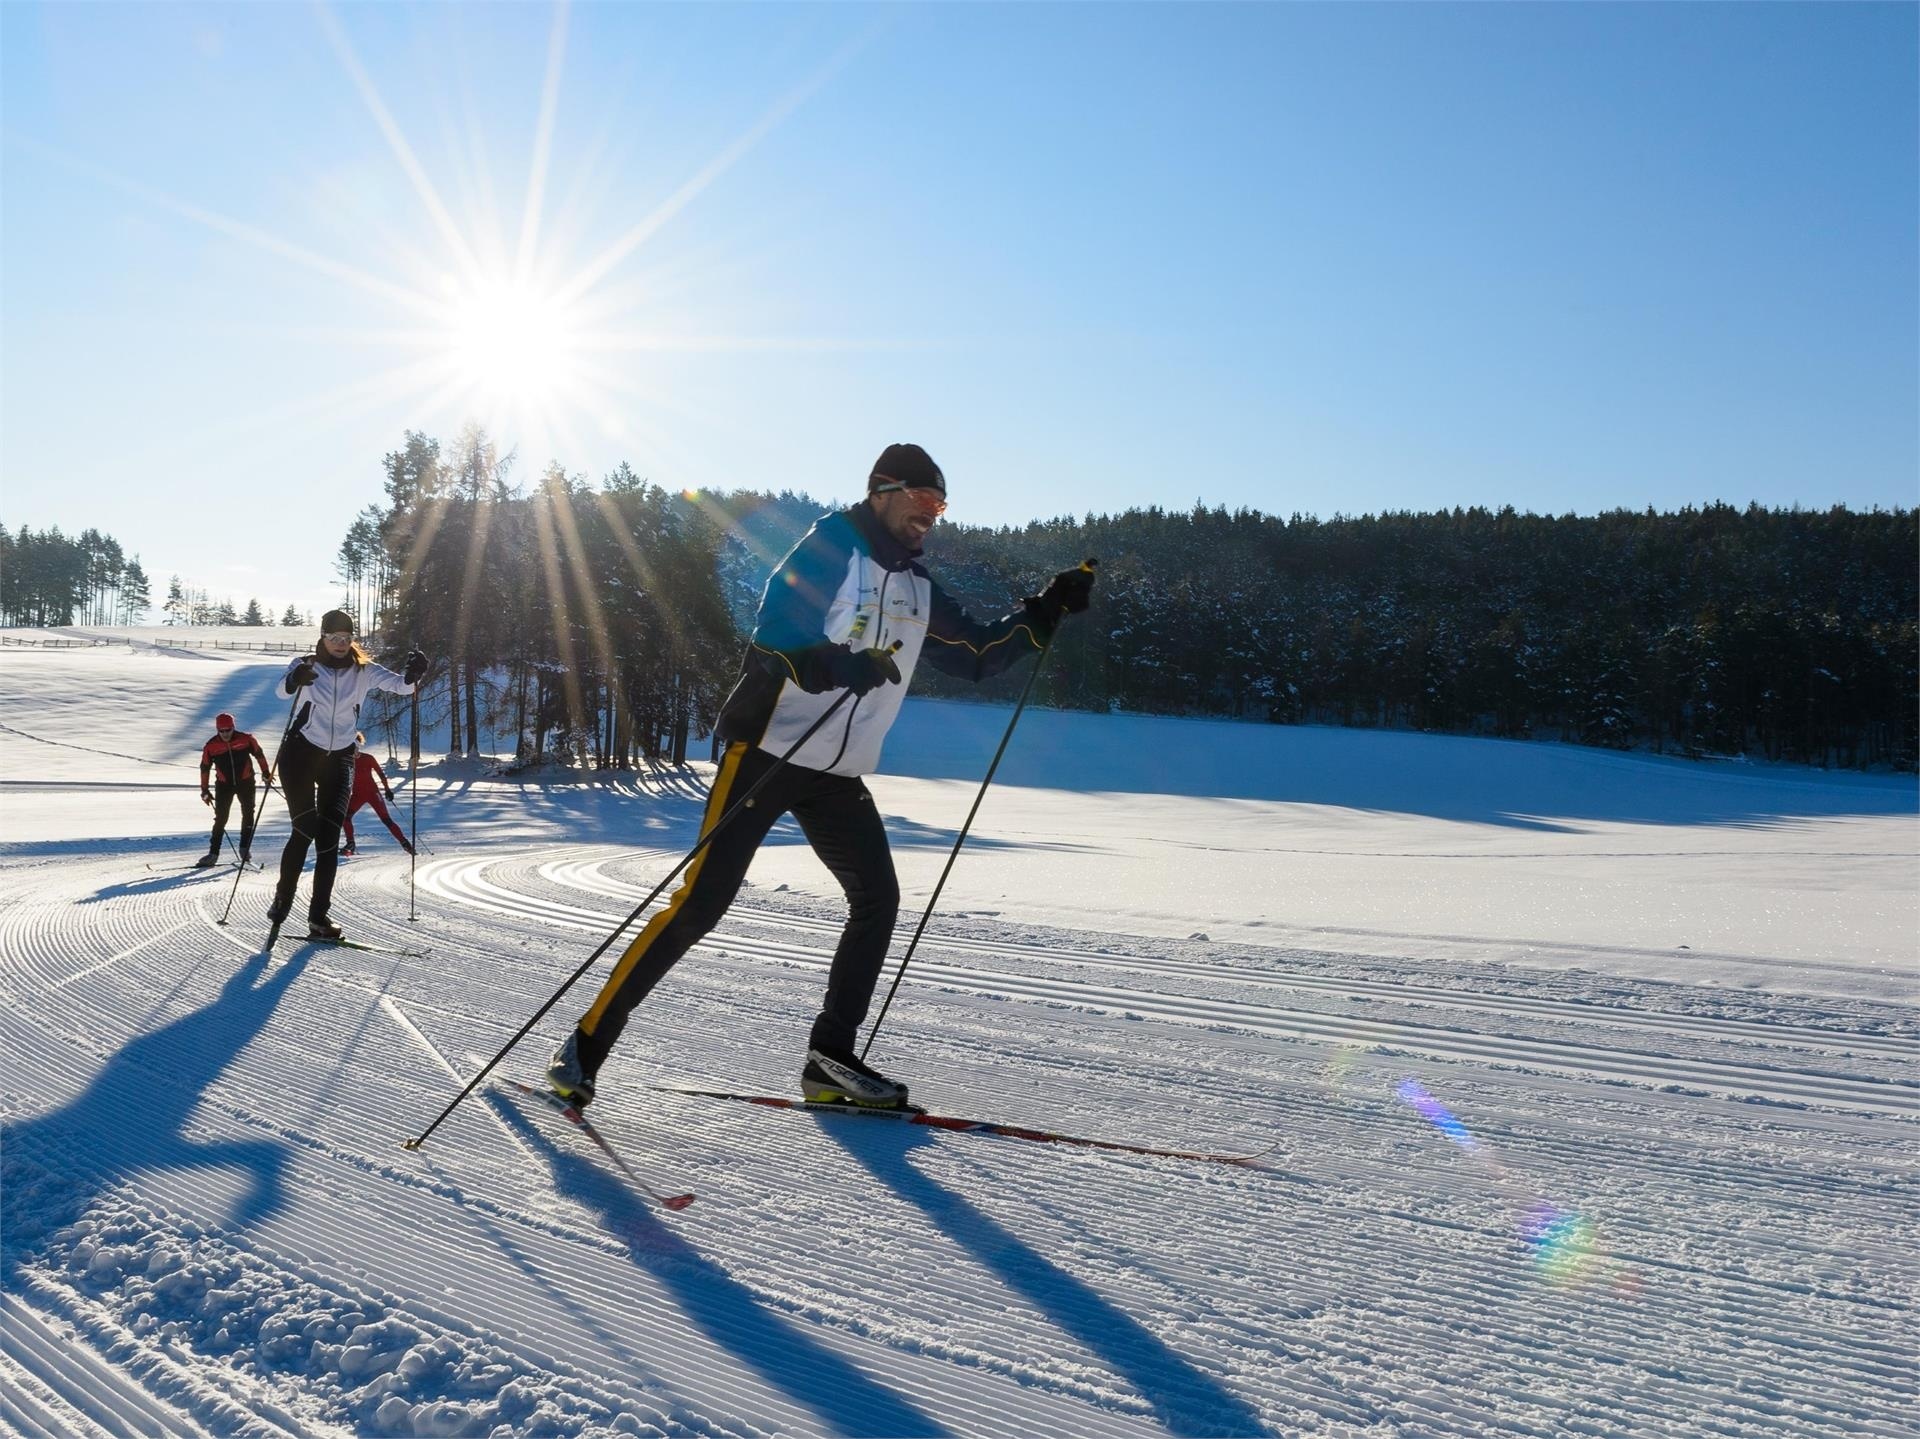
1778 634
48 578
607 621
1788 635
576 621
604 622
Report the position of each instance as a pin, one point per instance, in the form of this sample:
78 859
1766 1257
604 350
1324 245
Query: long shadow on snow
131 1117
247 691
847 1401
1516 784
158 884
1184 1398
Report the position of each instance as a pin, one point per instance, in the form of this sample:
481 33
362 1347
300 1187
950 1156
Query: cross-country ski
574 1117
915 1116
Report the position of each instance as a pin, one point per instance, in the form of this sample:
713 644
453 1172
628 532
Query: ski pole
231 842
413 798
686 859
961 839
261 813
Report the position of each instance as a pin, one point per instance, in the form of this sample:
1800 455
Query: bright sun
511 346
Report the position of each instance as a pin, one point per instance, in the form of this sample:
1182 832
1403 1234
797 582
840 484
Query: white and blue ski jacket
850 585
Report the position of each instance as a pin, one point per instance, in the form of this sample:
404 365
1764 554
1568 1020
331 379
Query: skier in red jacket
369 780
229 756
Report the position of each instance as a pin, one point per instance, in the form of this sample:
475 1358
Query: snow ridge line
1790 1085
111 754
477 890
138 1382
51 1387
123 954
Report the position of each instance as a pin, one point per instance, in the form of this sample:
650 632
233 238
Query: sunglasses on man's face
930 500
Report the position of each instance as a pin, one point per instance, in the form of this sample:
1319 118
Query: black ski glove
416 667
206 796
301 675
1067 593
863 670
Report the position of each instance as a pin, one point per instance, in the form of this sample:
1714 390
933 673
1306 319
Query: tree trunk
473 720
520 715
540 714
453 708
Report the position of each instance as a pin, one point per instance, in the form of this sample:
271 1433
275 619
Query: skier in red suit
228 758
369 781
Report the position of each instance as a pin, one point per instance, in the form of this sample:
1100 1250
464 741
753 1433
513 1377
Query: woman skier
316 761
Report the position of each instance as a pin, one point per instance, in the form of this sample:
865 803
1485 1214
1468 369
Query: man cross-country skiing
368 782
830 619
229 757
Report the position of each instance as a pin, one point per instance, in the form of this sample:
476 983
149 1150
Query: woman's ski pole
413 788
961 839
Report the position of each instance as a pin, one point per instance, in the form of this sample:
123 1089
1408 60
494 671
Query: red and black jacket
232 757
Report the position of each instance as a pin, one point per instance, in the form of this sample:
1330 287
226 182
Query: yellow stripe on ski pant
716 806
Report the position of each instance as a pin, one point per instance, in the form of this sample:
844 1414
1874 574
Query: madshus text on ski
844 621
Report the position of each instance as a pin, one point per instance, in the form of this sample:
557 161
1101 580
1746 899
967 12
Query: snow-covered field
1588 1081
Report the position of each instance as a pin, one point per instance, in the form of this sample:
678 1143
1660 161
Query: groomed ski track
213 1228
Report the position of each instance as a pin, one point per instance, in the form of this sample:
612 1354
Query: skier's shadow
157 884
54 1167
1185 1399
846 1400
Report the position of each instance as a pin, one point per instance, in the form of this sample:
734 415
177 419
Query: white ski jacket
329 716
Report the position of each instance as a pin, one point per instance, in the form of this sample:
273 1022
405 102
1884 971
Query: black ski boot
320 927
207 860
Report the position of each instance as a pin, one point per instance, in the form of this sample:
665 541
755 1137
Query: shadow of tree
1515 784
157 884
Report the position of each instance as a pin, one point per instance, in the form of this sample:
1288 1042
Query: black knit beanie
907 465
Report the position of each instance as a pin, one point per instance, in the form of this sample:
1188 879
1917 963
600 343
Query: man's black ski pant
840 821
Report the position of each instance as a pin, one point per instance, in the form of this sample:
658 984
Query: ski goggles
930 500
337 635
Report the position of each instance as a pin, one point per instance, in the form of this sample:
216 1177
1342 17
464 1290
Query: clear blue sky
1316 258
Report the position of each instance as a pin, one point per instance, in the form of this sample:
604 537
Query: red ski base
912 1115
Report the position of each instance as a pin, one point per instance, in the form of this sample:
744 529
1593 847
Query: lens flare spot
1437 1114
1564 1245
1343 1062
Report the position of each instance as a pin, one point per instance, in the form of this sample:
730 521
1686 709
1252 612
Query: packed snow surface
1582 1087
